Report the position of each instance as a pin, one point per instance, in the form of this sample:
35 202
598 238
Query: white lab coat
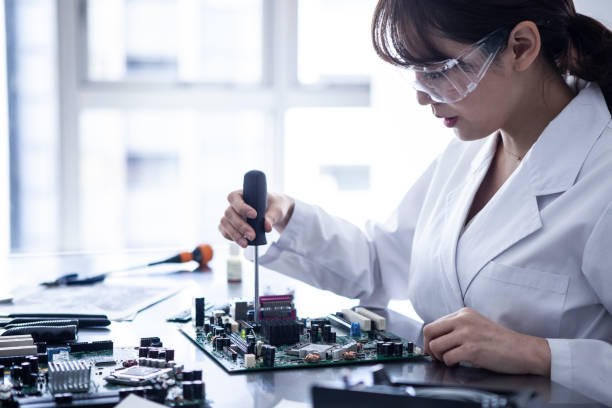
536 259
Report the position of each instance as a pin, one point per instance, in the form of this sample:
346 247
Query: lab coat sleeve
331 253
585 364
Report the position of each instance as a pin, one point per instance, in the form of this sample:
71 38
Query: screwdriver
255 194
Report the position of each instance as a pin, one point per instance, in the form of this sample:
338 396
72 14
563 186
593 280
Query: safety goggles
453 79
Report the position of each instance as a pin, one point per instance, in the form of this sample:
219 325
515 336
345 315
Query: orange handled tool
202 254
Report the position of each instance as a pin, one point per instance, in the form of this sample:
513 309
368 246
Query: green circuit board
286 358
99 392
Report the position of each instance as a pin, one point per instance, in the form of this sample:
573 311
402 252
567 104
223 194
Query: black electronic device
399 394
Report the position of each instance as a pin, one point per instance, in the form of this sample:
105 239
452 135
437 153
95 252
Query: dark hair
572 43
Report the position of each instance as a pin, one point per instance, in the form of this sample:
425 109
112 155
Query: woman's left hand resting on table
468 336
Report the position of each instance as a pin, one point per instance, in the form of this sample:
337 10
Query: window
215 41
133 119
154 178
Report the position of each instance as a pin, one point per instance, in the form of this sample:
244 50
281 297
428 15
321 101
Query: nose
423 98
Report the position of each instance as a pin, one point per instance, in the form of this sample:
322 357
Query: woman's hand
468 336
233 224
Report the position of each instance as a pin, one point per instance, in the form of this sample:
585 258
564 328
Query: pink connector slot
275 298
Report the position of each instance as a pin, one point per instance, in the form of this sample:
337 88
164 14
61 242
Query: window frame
278 92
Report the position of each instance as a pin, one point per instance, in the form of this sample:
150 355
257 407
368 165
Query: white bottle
234 264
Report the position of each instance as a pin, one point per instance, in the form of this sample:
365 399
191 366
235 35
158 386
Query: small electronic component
303 350
353 317
277 307
312 358
355 330
398 349
17 351
104 361
233 325
280 332
198 309
57 353
339 322
69 376
249 360
240 310
127 363
149 341
92 346
387 349
340 352
269 355
350 355
16 341
16 346
137 375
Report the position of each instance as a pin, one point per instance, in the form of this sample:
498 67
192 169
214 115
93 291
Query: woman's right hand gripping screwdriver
234 227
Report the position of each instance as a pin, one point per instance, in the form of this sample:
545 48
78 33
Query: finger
273 215
440 345
438 328
239 223
456 356
224 233
234 235
236 200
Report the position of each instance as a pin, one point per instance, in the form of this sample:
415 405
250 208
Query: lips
449 121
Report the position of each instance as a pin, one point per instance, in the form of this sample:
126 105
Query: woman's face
481 112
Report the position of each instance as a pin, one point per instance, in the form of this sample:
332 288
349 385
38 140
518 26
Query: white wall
599 9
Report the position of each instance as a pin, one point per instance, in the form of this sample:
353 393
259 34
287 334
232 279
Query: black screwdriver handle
255 193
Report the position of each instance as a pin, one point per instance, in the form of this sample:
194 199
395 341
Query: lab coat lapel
458 203
509 217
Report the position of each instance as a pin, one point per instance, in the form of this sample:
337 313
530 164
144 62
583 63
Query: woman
503 244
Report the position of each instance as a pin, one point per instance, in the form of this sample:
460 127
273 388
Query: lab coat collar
485 154
554 161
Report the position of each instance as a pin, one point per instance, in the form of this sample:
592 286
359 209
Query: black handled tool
80 322
49 334
255 194
60 315
83 319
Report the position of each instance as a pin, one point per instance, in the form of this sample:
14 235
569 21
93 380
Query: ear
524 44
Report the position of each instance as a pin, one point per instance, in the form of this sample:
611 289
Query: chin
468 136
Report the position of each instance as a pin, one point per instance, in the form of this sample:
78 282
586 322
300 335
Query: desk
264 389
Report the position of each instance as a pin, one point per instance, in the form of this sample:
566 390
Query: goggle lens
452 80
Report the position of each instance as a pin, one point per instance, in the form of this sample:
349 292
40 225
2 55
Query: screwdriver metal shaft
256 284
